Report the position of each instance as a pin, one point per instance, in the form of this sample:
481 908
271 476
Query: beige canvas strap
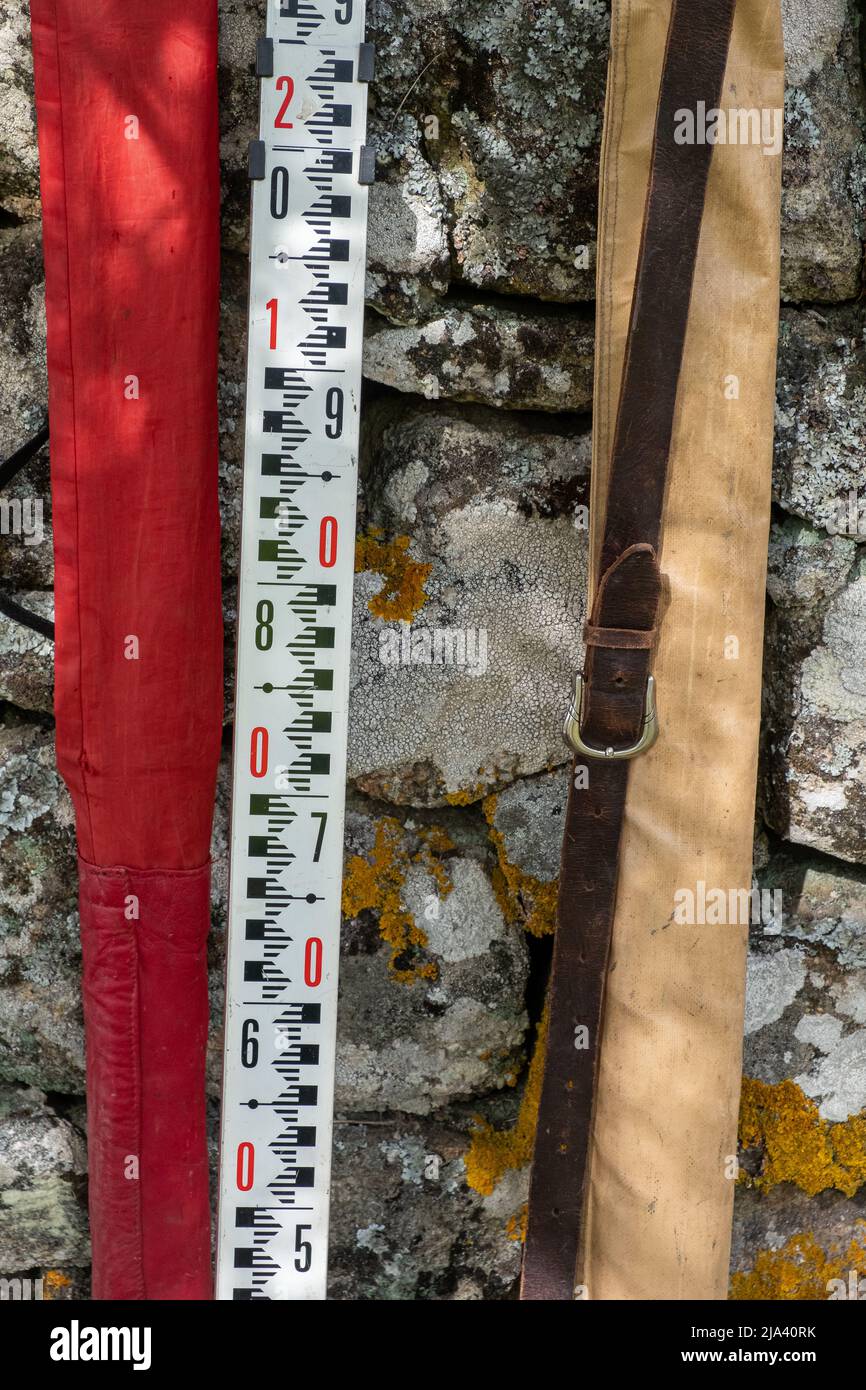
613 719
664 1134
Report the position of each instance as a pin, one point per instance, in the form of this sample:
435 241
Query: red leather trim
143 936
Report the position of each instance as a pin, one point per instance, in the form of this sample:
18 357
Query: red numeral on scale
246 1166
284 84
259 752
328 542
313 962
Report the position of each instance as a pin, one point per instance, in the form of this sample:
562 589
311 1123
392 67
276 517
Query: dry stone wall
472 546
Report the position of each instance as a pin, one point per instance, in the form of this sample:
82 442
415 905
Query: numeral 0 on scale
328 542
279 193
246 1166
259 751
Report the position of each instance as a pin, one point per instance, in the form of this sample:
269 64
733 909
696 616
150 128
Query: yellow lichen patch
523 898
53 1281
494 1152
437 839
849 1145
515 1227
376 884
798 1145
402 595
467 796
801 1270
434 842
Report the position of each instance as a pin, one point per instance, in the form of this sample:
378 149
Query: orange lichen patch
375 884
522 897
402 595
494 1152
435 842
53 1281
438 840
515 1227
849 1144
799 1146
802 1270
467 797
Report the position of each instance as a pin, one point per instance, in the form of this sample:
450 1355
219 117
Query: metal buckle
649 729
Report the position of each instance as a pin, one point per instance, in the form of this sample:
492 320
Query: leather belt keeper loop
623 638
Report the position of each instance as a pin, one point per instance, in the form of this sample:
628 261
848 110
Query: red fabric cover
131 235
143 937
131 244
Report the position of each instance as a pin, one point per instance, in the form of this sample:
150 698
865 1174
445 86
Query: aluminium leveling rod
309 171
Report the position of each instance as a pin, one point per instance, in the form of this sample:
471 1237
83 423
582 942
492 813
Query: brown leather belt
613 716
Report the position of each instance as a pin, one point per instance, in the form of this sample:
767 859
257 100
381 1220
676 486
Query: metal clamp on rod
649 727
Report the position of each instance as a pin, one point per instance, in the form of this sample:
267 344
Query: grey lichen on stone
19 158
504 102
850 995
806 997
495 511
821 1031
779 995
43 1219
821 417
518 360
774 981
30 787
27 657
404 1225
432 977
806 566
241 22
41 1033
23 379
816 784
525 136
219 900
837 1079
26 558
768 1220
824 166
420 463
824 904
530 816
408 260
231 391
802 1025
486 122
